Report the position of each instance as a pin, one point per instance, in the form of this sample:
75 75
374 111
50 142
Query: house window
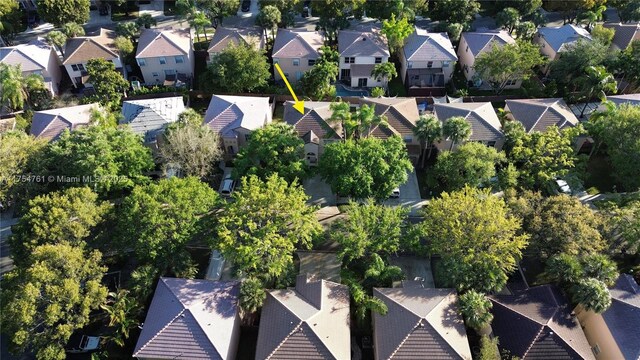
491 143
298 75
410 64
275 60
179 59
596 349
77 67
163 60
378 60
247 137
429 64
155 74
510 82
296 62
74 67
349 60
466 68
446 64
312 62
467 49
169 72
142 62
408 139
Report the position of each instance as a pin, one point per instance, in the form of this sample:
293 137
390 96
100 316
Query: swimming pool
342 90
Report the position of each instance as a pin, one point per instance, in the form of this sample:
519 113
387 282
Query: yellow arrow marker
299 105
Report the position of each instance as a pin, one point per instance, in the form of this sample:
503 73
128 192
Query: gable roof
624 34
365 42
314 123
226 113
81 49
538 323
191 319
402 113
485 125
163 42
623 316
560 36
632 99
422 45
540 114
420 324
297 43
49 124
478 41
150 116
33 56
308 322
226 35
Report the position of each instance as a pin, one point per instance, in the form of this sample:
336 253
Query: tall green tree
288 10
17 90
109 84
11 19
268 19
356 125
58 39
603 34
236 69
264 225
428 130
124 45
385 9
59 12
72 30
625 223
130 30
570 64
524 7
472 164
252 296
456 130
275 149
45 301
476 310
69 216
146 21
396 31
316 83
19 157
627 66
366 168
217 10
508 18
455 11
478 240
592 294
159 220
501 65
628 10
334 14
199 22
123 311
595 81
385 72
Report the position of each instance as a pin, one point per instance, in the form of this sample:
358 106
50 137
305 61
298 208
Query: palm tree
456 129
591 17
200 21
596 81
367 120
58 39
592 294
252 296
385 71
14 88
122 310
269 18
428 130
475 308
72 30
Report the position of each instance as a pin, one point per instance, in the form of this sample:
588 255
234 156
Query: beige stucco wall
73 74
371 81
293 73
153 65
597 333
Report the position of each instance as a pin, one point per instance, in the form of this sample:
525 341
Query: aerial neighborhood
320 179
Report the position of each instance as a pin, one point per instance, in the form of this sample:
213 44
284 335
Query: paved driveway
319 192
409 195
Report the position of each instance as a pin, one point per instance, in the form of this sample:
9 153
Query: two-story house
484 122
472 44
313 127
553 40
427 62
359 52
165 56
625 34
296 51
79 50
225 36
36 57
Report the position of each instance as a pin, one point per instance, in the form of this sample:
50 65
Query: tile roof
477 41
226 35
623 316
227 113
297 43
538 324
402 113
190 319
308 322
79 50
163 42
633 99
540 114
33 56
422 45
314 120
49 124
624 34
561 36
149 117
365 42
485 125
420 324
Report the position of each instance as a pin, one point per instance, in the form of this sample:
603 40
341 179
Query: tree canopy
570 64
17 90
455 11
477 238
267 221
472 164
275 149
45 301
476 310
316 83
396 31
456 129
59 12
358 124
236 69
365 168
19 155
109 84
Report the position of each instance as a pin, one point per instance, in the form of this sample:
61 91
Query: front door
362 82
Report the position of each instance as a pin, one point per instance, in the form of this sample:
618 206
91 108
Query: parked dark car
246 5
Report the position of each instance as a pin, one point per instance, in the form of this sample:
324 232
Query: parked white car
563 187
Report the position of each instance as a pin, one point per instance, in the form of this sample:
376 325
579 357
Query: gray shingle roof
368 42
559 37
149 117
308 322
623 316
227 113
485 125
420 324
315 119
297 43
624 34
538 324
49 124
633 99
540 114
479 40
190 319
33 56
425 46
225 36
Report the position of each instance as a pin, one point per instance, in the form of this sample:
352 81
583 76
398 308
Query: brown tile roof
308 322
190 319
624 34
314 120
163 42
420 324
49 124
540 114
402 113
297 43
81 49
485 125
225 36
